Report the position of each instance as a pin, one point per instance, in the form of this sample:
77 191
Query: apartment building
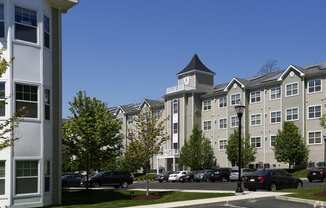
296 94
30 32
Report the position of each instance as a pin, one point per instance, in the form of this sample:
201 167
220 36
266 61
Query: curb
299 200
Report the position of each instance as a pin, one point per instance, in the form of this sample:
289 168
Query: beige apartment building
296 94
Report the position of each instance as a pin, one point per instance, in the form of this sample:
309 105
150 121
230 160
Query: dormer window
25 24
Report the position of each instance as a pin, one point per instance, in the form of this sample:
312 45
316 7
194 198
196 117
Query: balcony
169 153
179 88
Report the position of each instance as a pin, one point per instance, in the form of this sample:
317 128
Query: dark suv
316 174
111 178
270 179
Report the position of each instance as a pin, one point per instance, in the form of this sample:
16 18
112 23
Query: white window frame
234 116
225 103
38 177
175 105
271 90
276 117
321 137
270 140
292 83
207 105
255 97
27 25
206 128
286 114
314 87
224 145
175 130
256 114
3 99
256 137
27 101
4 177
226 123
235 94
321 110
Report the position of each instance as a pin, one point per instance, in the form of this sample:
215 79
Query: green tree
145 142
289 146
197 153
248 152
91 134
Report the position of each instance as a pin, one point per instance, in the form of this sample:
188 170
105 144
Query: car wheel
273 187
124 185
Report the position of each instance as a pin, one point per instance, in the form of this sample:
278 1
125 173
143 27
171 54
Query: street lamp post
239 109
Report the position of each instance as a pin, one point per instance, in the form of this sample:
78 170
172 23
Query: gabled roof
241 82
195 65
130 109
113 110
298 69
154 104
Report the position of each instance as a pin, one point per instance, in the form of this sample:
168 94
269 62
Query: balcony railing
178 88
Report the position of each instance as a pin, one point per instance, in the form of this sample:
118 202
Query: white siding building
30 32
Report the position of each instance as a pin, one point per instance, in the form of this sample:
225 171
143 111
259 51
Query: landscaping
301 173
315 193
122 198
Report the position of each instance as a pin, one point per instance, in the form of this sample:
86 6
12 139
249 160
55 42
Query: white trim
321 137
321 86
255 114
210 104
204 125
218 144
286 115
270 93
315 118
220 122
226 101
285 89
195 70
237 93
270 140
290 68
270 117
259 96
231 82
261 142
233 116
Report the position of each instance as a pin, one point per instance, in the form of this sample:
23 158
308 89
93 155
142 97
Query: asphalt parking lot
256 203
228 186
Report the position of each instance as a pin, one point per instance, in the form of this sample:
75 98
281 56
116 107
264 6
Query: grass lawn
301 173
315 193
120 198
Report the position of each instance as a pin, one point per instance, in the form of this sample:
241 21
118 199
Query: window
314 86
207 125
47 175
2 99
175 128
292 89
222 101
25 24
222 144
273 141
255 142
314 137
26 100
207 105
46 28
223 123
236 99
255 97
275 93
175 106
2 177
47 109
255 119
314 111
26 176
276 117
292 114
234 121
2 21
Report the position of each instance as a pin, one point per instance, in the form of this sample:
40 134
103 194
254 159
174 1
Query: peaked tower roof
195 64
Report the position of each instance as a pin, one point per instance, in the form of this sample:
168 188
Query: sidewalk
246 195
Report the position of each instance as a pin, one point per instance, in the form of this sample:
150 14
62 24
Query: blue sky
121 51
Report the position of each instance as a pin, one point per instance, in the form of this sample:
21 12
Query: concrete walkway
246 195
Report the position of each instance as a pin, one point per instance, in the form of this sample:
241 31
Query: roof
195 65
132 108
63 4
156 104
113 110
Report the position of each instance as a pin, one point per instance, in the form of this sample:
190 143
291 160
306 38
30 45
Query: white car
176 176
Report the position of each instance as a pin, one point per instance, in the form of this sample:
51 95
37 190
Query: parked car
111 178
174 177
270 179
234 176
189 177
203 175
225 174
71 180
163 177
316 174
